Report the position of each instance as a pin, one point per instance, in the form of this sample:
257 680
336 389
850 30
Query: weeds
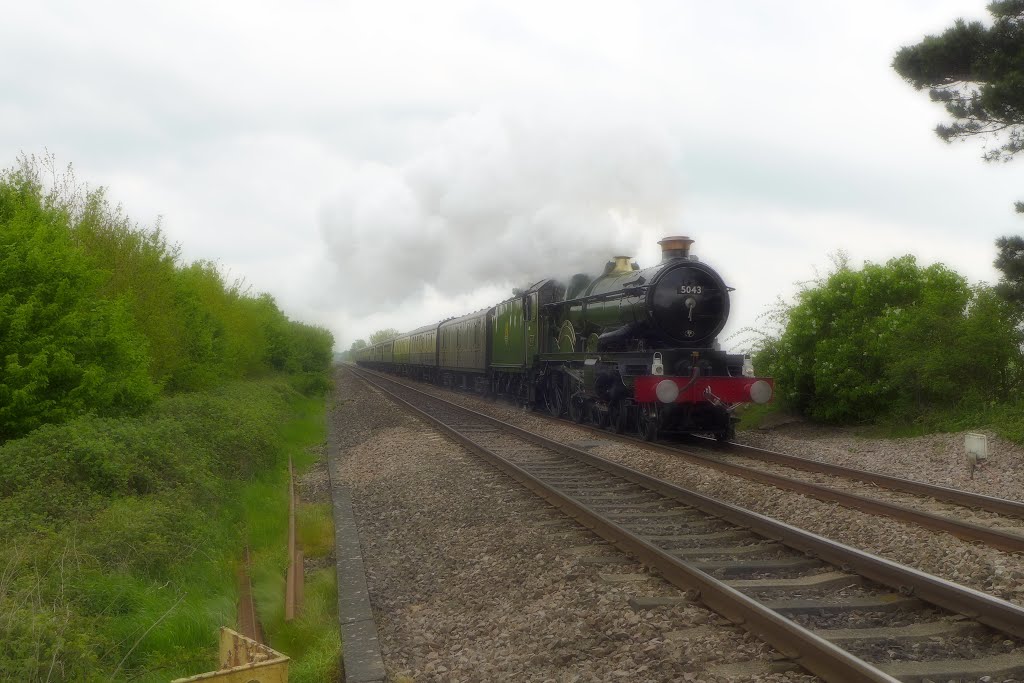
124 568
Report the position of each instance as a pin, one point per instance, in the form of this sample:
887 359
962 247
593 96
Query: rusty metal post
248 624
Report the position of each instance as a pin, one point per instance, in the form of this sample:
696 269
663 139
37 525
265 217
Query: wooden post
289 590
300 580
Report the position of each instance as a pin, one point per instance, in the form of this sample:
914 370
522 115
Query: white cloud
384 163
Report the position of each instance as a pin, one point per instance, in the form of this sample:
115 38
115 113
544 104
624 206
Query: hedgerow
142 400
99 315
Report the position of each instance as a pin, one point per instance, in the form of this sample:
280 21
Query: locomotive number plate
691 289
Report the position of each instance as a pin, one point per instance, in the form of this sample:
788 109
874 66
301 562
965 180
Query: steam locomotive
631 350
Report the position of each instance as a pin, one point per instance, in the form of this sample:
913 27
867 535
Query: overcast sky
386 164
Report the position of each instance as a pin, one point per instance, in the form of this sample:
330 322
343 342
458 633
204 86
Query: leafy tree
1010 262
141 269
977 73
383 335
64 349
358 344
892 339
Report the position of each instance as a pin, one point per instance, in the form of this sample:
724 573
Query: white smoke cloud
500 197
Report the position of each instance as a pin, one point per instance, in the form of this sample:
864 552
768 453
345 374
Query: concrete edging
360 650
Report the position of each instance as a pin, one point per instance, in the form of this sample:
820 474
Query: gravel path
473 578
992 571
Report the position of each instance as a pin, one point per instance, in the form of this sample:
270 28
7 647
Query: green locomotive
631 349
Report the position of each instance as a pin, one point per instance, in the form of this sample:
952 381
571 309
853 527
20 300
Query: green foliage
358 344
1010 262
315 528
122 567
977 73
123 502
383 335
65 350
312 638
40 638
98 314
892 339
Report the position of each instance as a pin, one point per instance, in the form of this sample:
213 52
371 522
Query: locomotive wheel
617 413
554 396
577 409
647 424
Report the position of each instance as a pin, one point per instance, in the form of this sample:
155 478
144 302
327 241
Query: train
632 350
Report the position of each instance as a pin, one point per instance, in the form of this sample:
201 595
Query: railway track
998 522
840 613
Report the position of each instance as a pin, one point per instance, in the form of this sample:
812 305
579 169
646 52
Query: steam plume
499 198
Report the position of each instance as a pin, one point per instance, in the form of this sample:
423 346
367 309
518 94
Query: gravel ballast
933 458
473 578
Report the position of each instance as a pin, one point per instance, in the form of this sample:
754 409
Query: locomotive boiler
679 302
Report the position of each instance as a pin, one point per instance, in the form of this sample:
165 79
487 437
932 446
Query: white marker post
976 446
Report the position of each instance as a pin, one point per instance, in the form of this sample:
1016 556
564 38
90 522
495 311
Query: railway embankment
122 537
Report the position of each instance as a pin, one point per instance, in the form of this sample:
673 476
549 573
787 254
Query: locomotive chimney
675 247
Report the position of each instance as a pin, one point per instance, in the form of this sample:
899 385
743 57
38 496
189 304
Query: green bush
893 339
41 639
144 534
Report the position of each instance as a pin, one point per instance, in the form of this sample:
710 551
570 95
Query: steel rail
1001 540
966 530
1001 506
999 614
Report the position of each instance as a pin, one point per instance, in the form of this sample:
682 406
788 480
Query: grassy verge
122 537
1006 420
311 639
753 414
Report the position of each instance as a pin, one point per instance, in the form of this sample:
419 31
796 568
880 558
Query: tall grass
312 638
129 569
